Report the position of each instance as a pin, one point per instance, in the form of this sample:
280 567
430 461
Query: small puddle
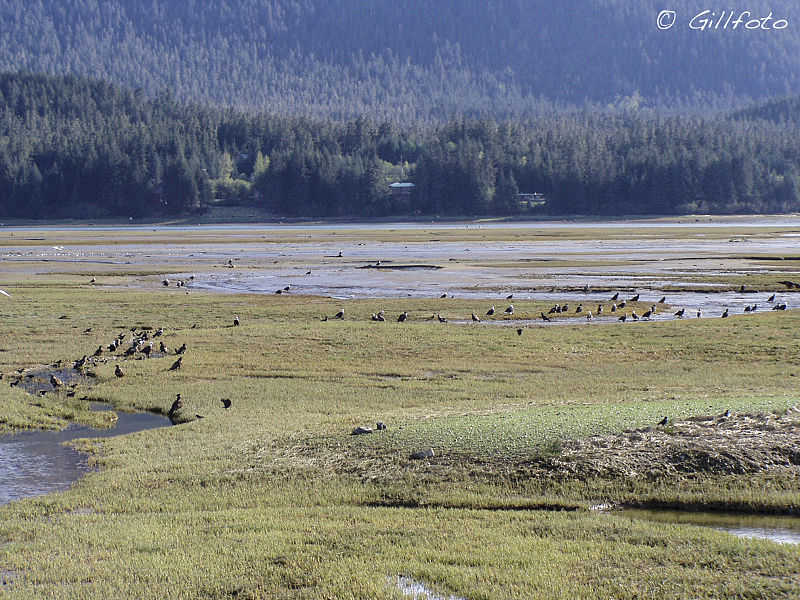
417 590
778 528
37 462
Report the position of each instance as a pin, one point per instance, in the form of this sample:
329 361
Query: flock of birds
616 306
140 345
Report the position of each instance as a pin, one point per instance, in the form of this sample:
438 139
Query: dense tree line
80 148
408 61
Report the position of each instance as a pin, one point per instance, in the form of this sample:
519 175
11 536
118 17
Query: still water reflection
783 529
36 463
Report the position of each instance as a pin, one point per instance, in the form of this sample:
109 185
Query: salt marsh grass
273 498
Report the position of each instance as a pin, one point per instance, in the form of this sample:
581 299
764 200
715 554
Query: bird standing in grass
402 317
118 372
177 364
679 313
176 406
490 312
510 310
235 321
475 318
545 318
339 315
226 403
663 422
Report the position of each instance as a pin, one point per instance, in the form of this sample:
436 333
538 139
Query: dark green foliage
408 61
77 148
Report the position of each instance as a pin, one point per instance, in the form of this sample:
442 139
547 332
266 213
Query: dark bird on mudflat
182 349
118 372
779 306
634 316
177 364
80 363
725 314
635 298
679 313
754 308
747 308
308 272
510 309
339 315
615 296
664 421
235 321
162 347
771 298
699 313
475 318
490 312
226 403
441 319
647 314
509 297
663 300
176 406
623 318
443 295
402 317
545 317
165 283
55 381
622 304
742 289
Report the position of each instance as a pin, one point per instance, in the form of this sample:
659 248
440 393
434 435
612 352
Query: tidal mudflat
497 442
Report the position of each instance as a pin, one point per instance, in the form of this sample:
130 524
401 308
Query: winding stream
38 462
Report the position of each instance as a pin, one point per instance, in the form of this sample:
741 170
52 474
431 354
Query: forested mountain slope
79 148
410 61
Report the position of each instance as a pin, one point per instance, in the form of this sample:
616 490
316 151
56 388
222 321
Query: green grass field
273 498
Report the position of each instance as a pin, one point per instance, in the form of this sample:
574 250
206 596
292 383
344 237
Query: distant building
534 199
401 189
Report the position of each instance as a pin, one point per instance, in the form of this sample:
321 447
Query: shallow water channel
38 462
778 528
